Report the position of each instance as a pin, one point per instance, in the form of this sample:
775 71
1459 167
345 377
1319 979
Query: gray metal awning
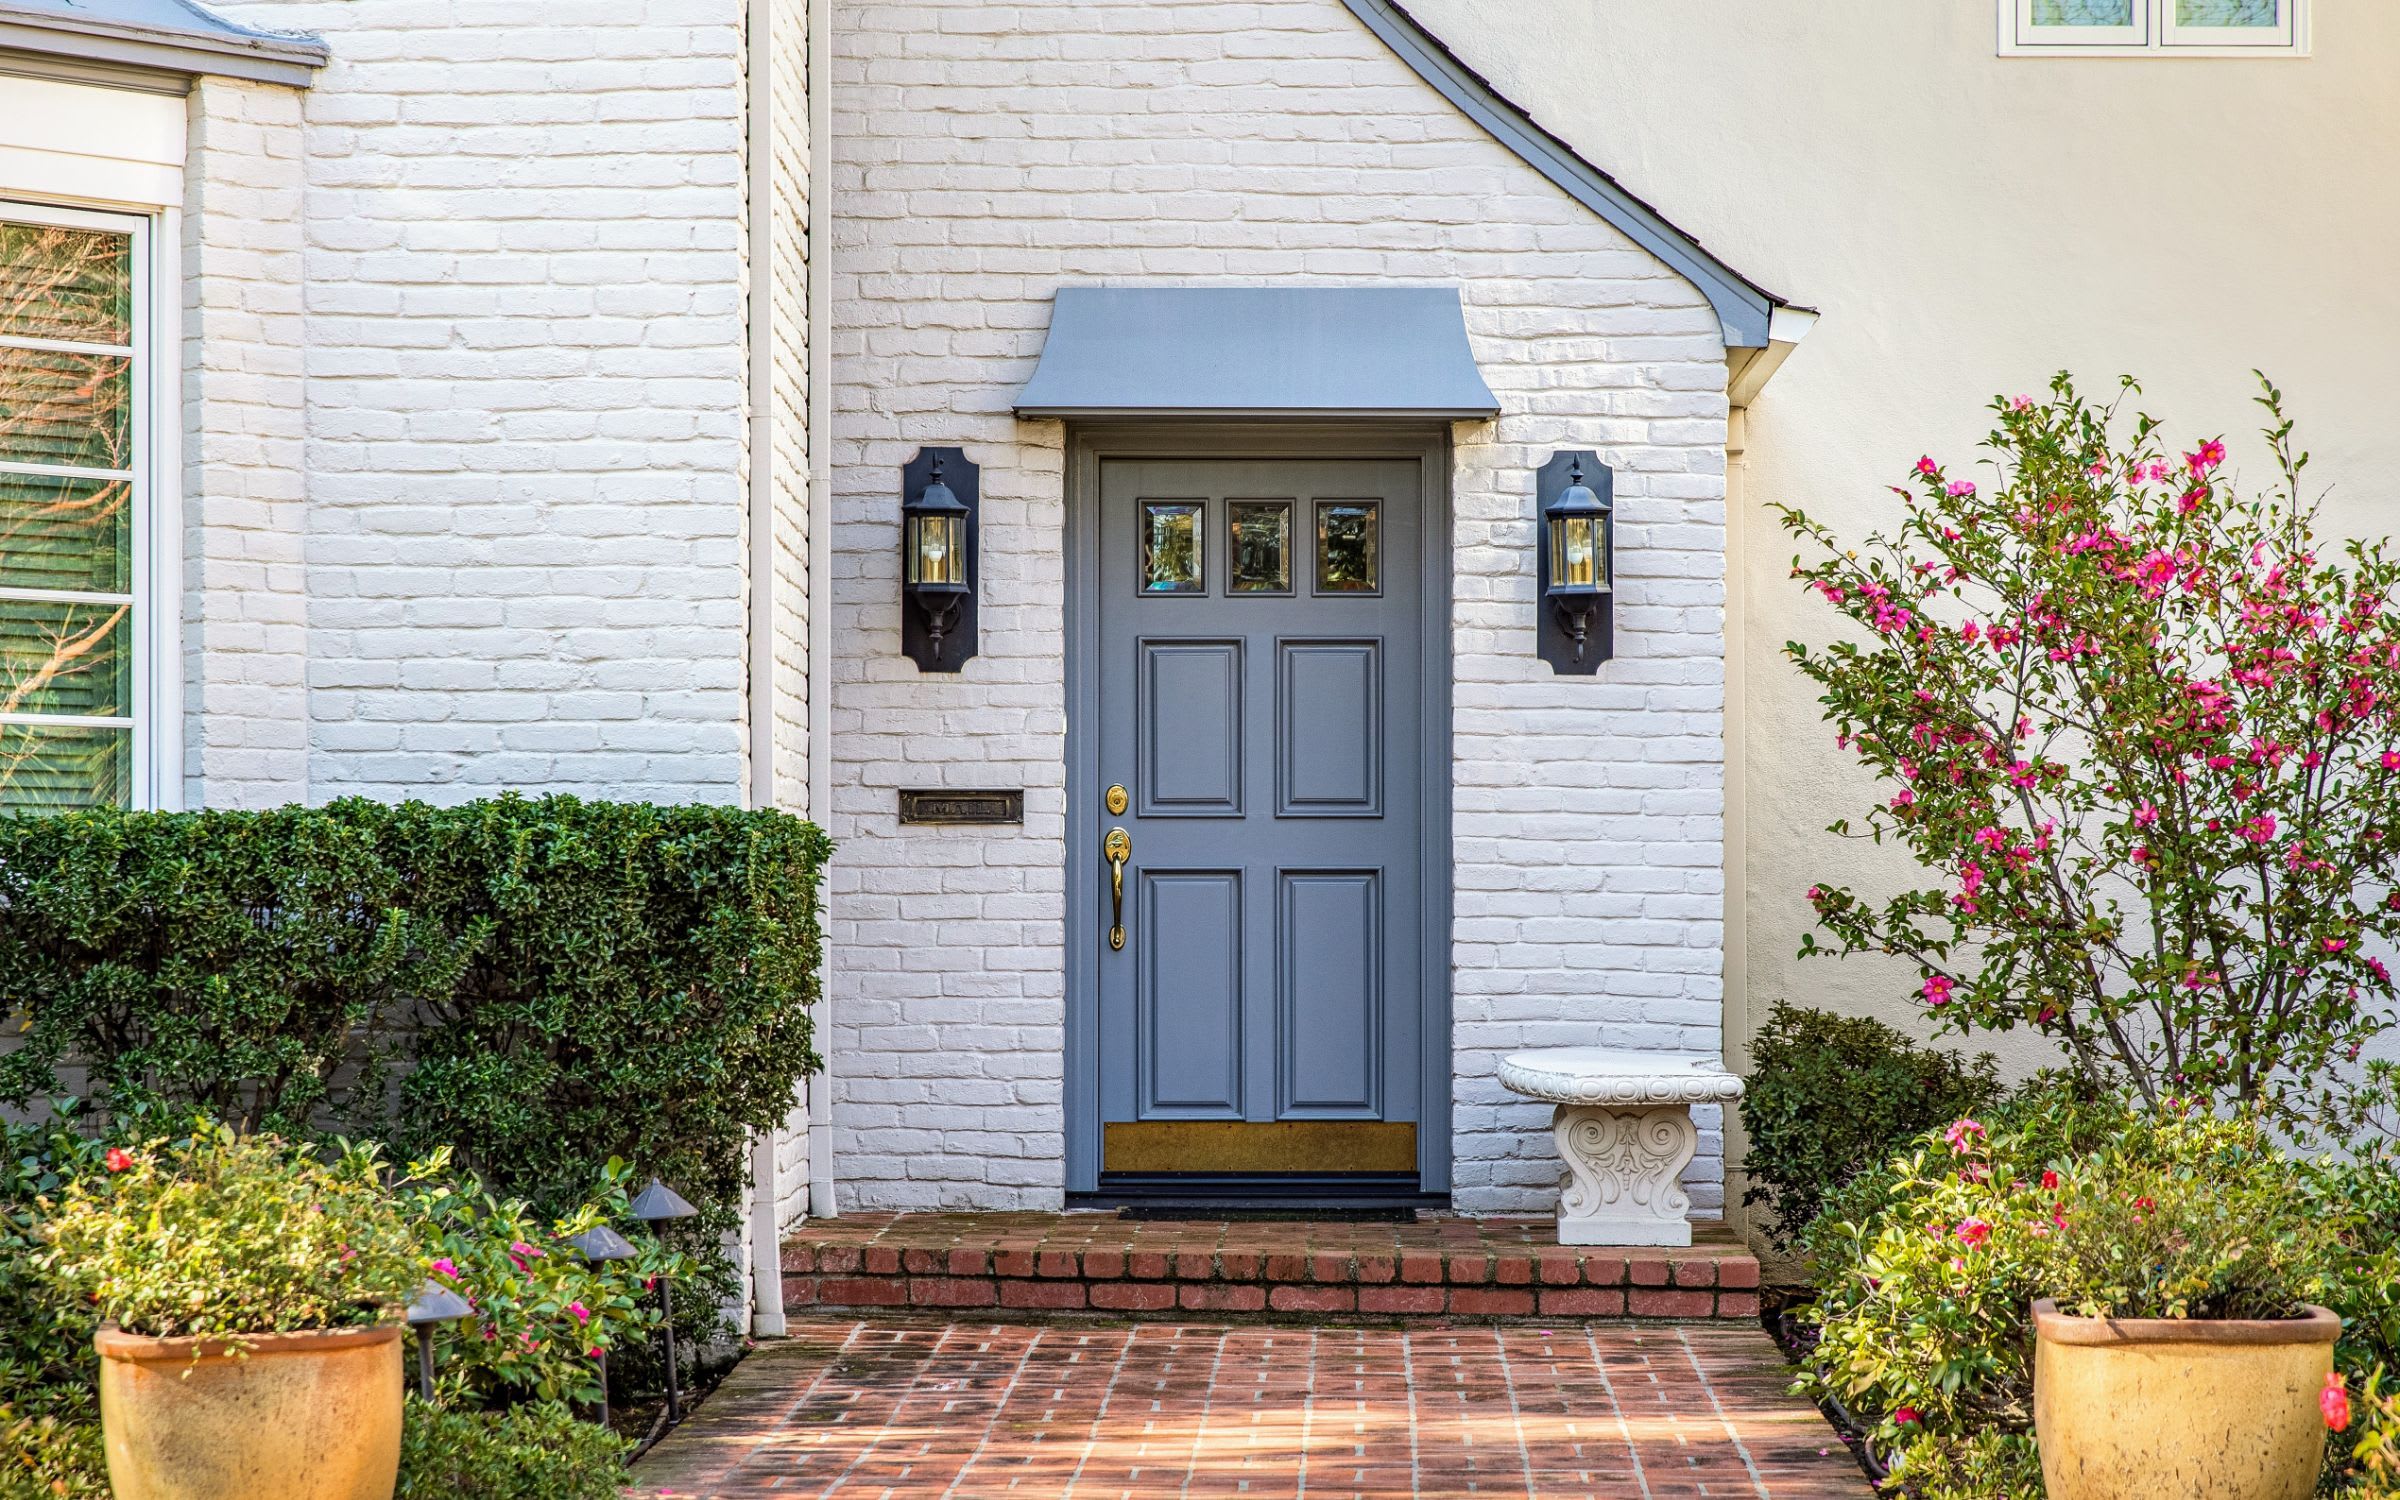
156 36
1247 351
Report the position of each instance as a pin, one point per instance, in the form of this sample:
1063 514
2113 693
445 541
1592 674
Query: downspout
766 1251
821 1202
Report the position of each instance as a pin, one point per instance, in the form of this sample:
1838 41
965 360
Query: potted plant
250 1347
2180 1354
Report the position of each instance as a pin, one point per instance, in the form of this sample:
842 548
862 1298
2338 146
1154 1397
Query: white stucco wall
984 155
1971 224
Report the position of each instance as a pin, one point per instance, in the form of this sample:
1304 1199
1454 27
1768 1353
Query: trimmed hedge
1829 1096
543 985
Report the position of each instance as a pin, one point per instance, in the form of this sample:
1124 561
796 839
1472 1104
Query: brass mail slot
1268 1146
986 807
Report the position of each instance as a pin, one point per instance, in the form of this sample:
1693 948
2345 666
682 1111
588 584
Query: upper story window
2154 28
75 493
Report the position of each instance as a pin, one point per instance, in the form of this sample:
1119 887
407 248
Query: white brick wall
245 603
985 154
525 362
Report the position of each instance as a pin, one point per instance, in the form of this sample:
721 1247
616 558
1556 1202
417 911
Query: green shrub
226 961
50 1458
1923 1304
555 982
536 1452
233 1234
1829 1096
542 1313
46 1359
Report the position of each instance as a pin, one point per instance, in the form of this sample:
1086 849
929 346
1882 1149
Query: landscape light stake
436 1304
654 1205
598 1246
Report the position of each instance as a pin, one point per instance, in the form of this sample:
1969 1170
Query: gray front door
1260 640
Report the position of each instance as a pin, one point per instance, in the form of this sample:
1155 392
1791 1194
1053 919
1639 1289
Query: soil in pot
299 1416
2141 1408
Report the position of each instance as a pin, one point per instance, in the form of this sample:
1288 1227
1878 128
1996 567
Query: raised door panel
1329 991
1190 720
1188 1000
1329 729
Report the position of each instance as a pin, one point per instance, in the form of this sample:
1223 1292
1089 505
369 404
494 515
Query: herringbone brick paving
911 1409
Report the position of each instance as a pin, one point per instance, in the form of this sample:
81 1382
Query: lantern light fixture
1577 563
599 1245
937 559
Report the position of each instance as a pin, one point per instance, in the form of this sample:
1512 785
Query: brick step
1448 1268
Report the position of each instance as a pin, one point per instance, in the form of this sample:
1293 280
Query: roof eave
223 50
1744 309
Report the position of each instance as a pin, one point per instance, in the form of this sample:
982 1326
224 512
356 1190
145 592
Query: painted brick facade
245 584
986 154
525 388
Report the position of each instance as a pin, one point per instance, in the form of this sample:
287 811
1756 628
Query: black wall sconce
938 499
1577 563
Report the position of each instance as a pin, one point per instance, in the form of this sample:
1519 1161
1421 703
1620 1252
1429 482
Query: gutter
765 1247
821 1202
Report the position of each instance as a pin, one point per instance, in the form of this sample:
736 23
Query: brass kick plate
1268 1146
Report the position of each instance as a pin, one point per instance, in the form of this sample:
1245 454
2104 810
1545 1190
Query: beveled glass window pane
60 283
1171 547
58 533
69 409
60 767
2083 12
1347 547
1259 546
66 658
2227 12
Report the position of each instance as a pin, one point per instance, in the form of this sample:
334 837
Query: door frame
1090 443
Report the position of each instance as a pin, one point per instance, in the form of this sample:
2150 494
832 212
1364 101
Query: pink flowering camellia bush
2142 726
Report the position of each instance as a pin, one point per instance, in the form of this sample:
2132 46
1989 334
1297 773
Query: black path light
436 1304
938 503
655 1205
598 1246
1578 562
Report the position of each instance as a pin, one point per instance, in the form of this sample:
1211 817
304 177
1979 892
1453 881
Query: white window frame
156 478
2155 33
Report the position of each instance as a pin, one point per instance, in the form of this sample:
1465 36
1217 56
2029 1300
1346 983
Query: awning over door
1253 351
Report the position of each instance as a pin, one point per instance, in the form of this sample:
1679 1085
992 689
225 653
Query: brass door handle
1118 849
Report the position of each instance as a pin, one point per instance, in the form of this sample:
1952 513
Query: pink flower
1904 1416
1959 1132
582 1314
118 1159
2334 1402
2050 1181
1927 467
1973 1232
2145 816
2259 830
522 1254
1937 990
2336 945
2190 499
2391 760
1960 489
446 1267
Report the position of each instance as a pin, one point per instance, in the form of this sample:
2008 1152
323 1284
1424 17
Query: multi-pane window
2203 28
73 496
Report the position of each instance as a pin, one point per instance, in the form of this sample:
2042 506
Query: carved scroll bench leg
1624 1179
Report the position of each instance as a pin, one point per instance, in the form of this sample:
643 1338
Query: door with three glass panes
1258 730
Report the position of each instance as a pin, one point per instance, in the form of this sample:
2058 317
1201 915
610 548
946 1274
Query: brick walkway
1439 1266
915 1409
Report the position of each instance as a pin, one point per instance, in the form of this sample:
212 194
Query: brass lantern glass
1579 551
934 537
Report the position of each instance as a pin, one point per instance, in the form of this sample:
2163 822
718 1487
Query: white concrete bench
1624 1128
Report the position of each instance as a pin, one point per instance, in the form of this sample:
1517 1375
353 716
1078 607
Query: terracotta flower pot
2139 1408
302 1416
